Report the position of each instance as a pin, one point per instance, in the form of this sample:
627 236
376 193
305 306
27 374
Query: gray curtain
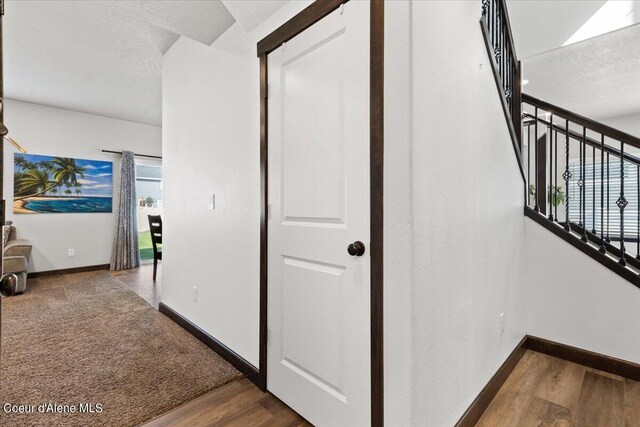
125 253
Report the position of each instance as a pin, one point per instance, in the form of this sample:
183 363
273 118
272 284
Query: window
149 194
610 216
149 185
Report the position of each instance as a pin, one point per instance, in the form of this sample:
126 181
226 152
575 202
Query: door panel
315 300
313 178
318 351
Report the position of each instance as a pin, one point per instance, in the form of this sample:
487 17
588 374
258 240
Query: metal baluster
593 185
608 239
584 185
555 180
528 164
507 73
495 22
502 46
490 19
622 203
505 56
510 82
535 149
496 47
493 18
511 76
550 194
638 213
566 176
603 248
580 187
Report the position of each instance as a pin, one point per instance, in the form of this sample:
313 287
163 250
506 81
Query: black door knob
356 248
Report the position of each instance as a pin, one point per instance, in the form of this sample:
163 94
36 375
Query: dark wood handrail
579 137
581 120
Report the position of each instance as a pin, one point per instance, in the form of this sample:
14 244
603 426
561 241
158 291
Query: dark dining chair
155 227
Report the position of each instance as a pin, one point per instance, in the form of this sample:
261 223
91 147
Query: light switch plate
212 202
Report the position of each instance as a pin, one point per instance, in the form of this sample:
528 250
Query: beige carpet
85 338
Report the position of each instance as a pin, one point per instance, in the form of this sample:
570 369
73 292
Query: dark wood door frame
2 203
303 20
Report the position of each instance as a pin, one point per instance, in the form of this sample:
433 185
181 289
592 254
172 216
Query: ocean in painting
71 205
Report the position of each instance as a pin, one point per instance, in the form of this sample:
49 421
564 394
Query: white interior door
319 294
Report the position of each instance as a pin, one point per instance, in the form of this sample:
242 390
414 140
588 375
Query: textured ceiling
540 26
598 77
100 57
251 13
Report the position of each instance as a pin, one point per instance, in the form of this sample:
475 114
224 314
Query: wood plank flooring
547 391
140 281
239 404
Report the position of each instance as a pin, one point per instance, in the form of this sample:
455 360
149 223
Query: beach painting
49 184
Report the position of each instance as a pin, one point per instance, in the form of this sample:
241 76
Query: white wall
468 225
211 144
629 124
574 300
398 237
59 132
211 147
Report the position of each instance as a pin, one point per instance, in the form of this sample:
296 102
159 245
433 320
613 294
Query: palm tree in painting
54 191
20 162
34 181
68 191
43 164
65 171
17 176
78 192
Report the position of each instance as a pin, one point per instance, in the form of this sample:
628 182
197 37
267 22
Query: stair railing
598 196
507 69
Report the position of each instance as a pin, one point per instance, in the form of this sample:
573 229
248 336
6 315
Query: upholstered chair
15 256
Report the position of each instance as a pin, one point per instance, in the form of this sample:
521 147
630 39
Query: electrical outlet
71 252
194 294
501 323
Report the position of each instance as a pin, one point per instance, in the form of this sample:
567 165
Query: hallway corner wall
467 223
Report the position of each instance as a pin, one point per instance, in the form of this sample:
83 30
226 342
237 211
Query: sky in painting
97 180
